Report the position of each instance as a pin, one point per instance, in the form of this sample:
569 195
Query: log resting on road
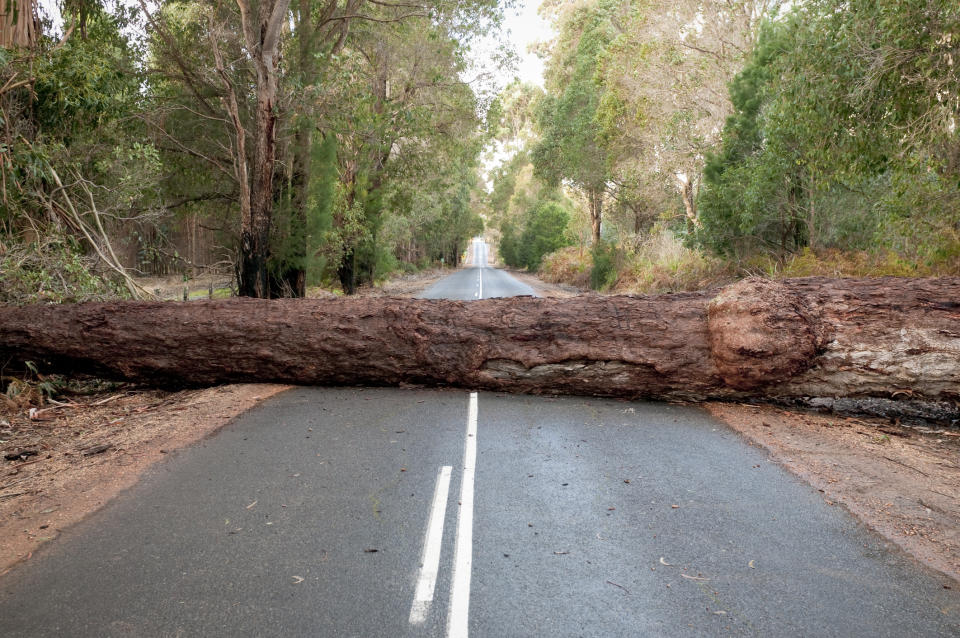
793 338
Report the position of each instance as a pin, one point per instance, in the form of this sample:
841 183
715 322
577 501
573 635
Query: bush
510 246
544 233
604 273
53 272
570 265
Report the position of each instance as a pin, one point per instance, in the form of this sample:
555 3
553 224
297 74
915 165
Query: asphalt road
384 512
477 281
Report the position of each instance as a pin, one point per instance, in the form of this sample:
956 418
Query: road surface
477 281
384 512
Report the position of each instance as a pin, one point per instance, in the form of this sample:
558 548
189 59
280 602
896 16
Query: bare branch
380 20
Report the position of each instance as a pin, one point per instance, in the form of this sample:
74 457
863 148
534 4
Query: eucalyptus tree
19 24
407 107
269 109
843 135
569 149
665 77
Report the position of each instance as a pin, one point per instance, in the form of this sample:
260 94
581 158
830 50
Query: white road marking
430 561
458 615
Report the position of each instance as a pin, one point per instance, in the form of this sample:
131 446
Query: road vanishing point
361 512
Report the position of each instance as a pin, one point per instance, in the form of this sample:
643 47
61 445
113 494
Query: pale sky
524 27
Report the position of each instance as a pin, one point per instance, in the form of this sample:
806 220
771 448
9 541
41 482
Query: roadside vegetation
331 145
694 143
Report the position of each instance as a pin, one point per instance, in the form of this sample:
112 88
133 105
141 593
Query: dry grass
836 263
663 264
570 265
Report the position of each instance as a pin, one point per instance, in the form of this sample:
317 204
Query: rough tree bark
262 38
19 26
802 337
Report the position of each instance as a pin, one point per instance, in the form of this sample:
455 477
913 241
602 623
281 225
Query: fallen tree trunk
802 337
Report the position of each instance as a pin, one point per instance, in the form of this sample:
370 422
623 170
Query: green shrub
604 273
53 271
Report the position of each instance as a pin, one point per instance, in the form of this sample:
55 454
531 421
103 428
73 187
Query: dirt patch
69 460
902 482
408 285
545 289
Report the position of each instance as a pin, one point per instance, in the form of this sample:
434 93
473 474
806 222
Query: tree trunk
262 38
596 213
294 277
796 338
19 26
255 237
347 272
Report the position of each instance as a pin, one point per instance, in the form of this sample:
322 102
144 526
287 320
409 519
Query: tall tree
569 149
844 134
262 25
665 78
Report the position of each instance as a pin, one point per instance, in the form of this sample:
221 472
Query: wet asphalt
308 516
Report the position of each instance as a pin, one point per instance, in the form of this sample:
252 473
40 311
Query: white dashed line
430 563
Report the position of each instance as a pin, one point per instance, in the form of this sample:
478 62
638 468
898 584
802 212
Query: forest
296 143
288 144
684 144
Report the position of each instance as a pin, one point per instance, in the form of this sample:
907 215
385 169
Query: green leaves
569 147
842 115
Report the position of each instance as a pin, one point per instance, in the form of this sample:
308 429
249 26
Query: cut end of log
761 333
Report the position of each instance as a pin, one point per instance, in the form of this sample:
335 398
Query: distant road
478 280
387 512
